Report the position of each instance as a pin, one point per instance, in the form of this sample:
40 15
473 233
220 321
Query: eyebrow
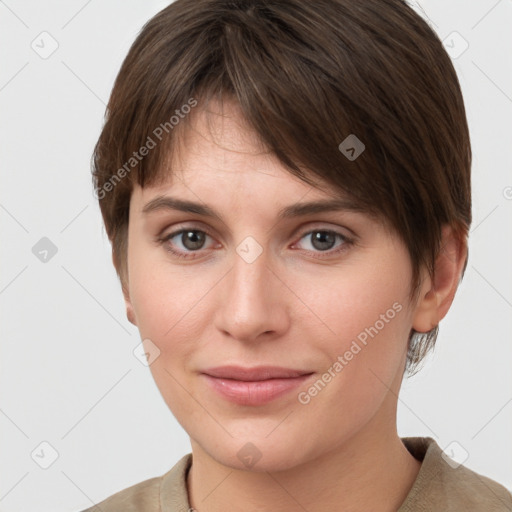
291 211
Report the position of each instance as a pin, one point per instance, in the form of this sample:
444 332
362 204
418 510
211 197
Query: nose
253 302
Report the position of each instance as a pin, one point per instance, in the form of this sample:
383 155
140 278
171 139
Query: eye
185 241
323 240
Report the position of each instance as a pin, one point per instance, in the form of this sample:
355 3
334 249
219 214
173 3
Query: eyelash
191 255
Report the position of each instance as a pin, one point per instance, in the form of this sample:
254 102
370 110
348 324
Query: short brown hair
306 75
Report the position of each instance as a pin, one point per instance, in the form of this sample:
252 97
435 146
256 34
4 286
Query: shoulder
149 495
442 484
473 491
141 497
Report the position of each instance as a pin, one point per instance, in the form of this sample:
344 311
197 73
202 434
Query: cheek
362 297
162 299
169 303
365 323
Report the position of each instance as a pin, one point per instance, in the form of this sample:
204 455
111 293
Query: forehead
216 148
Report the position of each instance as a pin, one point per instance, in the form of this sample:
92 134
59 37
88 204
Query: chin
258 453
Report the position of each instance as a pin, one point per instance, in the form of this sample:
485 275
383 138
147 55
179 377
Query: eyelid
326 226
177 228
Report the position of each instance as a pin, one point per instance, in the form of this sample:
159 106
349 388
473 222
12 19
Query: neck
371 471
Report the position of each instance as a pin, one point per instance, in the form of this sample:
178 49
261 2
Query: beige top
439 487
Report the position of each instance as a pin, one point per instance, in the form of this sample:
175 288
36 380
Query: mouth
254 386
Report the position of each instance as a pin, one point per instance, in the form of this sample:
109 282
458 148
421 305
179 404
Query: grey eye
192 239
323 240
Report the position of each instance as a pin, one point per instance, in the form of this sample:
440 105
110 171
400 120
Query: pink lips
254 386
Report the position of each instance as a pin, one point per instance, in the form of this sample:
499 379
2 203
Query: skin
294 306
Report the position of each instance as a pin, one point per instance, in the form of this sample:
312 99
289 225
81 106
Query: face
279 336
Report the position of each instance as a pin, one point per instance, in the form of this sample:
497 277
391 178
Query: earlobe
425 315
437 291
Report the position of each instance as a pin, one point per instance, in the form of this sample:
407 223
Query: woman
286 186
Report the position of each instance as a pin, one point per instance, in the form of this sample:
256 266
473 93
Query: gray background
68 373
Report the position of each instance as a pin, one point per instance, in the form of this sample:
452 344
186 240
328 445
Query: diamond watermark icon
249 250
45 45
249 455
455 454
146 352
44 455
44 250
455 45
351 147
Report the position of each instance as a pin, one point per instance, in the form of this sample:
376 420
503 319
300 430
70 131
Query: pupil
192 239
323 240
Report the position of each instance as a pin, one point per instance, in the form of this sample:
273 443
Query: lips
254 374
254 386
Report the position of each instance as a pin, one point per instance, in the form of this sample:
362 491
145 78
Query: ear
130 314
437 292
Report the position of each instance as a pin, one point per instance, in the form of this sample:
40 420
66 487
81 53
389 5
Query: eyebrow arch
291 211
